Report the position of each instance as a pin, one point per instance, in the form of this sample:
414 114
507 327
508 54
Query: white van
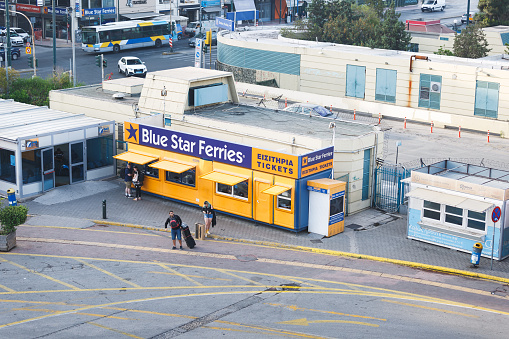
433 5
193 28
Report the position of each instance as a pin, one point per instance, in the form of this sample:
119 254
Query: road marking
296 308
114 330
6 288
108 273
190 275
305 322
239 277
180 274
40 274
430 308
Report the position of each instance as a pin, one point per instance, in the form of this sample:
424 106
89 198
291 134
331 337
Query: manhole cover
316 241
353 226
246 257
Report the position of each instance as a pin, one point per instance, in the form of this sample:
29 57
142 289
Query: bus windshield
89 36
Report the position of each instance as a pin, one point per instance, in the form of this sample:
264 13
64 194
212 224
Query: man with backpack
175 223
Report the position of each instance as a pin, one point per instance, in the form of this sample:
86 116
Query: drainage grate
353 226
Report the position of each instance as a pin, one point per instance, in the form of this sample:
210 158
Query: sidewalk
370 232
60 43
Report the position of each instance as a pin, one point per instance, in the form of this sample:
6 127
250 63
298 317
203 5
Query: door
76 150
48 169
262 203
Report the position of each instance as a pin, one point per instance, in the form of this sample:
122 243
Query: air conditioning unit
435 87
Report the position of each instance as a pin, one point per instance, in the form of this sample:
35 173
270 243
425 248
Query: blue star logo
132 132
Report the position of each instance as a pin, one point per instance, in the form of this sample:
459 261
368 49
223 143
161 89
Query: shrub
12 216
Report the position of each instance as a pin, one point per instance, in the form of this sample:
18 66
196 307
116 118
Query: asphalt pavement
370 234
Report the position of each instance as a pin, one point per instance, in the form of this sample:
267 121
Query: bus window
104 36
89 37
116 34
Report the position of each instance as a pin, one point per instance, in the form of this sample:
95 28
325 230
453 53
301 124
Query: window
31 166
239 190
7 166
151 171
486 99
355 81
430 89
100 152
454 216
365 174
284 200
385 85
186 178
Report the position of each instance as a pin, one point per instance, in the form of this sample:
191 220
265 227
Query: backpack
122 172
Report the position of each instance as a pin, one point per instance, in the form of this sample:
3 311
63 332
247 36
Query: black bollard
104 209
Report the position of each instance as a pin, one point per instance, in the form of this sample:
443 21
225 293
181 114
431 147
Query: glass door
77 165
48 169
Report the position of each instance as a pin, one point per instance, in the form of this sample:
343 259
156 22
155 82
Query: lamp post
164 93
468 12
54 27
455 24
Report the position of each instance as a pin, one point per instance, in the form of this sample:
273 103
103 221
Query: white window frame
464 226
281 197
232 188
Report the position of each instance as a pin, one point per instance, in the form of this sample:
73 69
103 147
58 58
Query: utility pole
468 12
54 28
76 13
7 48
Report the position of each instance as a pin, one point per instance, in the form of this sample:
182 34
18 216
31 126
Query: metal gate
389 189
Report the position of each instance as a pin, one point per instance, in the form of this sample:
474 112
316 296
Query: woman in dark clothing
138 182
208 214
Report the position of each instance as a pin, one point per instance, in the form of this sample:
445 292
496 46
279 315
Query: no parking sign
28 50
197 53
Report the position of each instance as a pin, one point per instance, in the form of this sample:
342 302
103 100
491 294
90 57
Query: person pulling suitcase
175 230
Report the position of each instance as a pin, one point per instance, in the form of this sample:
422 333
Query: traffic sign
197 53
171 42
495 215
28 50
28 43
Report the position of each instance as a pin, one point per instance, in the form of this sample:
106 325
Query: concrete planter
7 242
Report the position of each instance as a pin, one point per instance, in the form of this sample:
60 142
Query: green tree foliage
13 75
471 43
444 51
12 216
35 91
344 22
494 12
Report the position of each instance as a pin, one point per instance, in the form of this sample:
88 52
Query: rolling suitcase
187 236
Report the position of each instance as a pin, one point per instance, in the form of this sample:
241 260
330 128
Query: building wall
323 72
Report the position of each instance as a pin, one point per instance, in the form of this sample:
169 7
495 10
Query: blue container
476 254
11 196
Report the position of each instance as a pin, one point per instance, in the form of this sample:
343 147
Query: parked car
308 109
15 53
16 40
22 33
194 28
464 17
192 41
132 66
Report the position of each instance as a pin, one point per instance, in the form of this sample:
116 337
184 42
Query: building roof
19 121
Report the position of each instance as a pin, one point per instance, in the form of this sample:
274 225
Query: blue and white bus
116 36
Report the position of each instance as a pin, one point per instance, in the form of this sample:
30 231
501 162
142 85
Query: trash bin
476 254
11 196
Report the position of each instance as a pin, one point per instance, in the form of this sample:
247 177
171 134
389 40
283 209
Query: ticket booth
326 206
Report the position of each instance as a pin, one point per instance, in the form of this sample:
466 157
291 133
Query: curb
329 252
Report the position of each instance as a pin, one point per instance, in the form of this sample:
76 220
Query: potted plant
10 217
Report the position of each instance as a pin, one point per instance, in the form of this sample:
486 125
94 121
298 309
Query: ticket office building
261 185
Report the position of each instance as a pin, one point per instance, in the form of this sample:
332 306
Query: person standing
138 177
175 217
175 231
128 179
208 214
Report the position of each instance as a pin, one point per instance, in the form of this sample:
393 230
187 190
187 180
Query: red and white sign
28 8
171 42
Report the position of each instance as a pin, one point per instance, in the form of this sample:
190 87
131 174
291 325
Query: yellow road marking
299 281
305 322
6 288
93 230
190 275
239 277
296 308
430 308
40 274
108 273
115 330
180 274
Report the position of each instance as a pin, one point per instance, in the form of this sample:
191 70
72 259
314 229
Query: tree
494 12
13 75
471 43
392 32
444 51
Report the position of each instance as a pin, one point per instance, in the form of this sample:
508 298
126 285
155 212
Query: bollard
11 196
104 209
405 123
379 117
459 131
432 127
488 135
354 114
286 102
331 108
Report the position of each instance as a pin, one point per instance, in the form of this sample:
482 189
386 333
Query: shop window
486 99
7 166
430 91
31 166
413 47
355 81
431 210
151 171
186 178
239 190
476 220
385 85
284 200
100 152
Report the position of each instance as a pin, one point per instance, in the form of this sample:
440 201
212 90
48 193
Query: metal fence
389 189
